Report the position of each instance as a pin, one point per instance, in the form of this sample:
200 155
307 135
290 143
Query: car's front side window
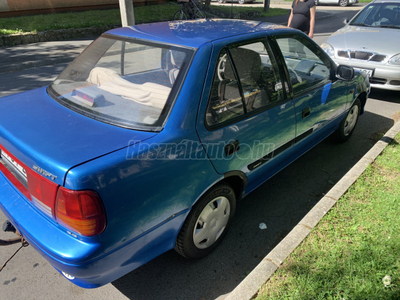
126 83
246 79
305 67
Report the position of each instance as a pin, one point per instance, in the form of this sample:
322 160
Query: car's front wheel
207 223
343 3
221 1
349 123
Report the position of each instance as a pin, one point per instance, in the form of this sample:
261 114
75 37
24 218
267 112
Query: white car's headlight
328 49
395 60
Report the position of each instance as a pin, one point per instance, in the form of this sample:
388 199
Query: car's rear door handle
306 112
232 148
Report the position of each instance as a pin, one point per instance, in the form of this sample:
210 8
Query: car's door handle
305 112
232 148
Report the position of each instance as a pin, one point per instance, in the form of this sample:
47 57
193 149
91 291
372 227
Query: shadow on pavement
384 95
25 80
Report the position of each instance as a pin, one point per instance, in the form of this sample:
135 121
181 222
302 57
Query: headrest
247 63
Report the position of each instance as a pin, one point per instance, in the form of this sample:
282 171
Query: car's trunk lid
51 139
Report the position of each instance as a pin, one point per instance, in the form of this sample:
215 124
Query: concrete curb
249 287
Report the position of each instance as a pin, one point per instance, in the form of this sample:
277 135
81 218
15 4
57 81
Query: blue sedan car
147 140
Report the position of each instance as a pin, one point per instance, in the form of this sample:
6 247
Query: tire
316 2
348 124
180 15
207 223
343 3
221 1
242 1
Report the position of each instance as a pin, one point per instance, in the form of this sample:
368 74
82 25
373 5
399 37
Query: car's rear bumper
83 260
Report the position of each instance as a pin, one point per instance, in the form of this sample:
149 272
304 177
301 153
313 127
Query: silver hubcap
211 222
351 120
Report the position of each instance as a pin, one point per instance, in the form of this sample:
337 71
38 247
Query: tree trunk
266 5
127 14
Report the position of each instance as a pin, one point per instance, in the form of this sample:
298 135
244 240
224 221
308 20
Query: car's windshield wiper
389 26
360 24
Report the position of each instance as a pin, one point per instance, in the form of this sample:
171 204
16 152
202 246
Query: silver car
338 2
370 42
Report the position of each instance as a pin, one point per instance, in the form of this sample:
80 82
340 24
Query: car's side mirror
345 72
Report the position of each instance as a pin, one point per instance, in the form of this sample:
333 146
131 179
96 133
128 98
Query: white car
338 2
370 42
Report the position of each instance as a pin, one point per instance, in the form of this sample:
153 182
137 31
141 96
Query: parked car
370 42
342 3
147 140
239 1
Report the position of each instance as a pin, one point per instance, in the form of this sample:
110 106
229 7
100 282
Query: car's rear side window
245 80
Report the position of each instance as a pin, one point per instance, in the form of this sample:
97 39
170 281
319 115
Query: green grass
99 18
354 246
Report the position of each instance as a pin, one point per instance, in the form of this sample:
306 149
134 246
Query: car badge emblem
44 172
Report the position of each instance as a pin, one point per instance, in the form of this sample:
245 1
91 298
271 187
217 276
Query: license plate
7 159
369 72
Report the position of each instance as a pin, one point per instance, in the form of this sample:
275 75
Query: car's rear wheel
316 2
349 123
242 1
221 1
343 3
207 223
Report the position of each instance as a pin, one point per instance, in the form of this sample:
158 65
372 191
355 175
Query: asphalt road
280 203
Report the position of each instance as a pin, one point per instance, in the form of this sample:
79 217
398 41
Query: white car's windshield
379 15
123 82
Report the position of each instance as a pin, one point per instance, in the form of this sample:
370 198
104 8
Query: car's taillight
80 211
42 191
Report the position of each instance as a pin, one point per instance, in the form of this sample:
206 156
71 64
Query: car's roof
193 33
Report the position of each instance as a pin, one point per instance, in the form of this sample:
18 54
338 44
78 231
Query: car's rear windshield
128 83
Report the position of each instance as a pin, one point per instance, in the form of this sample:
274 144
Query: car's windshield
379 15
123 82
